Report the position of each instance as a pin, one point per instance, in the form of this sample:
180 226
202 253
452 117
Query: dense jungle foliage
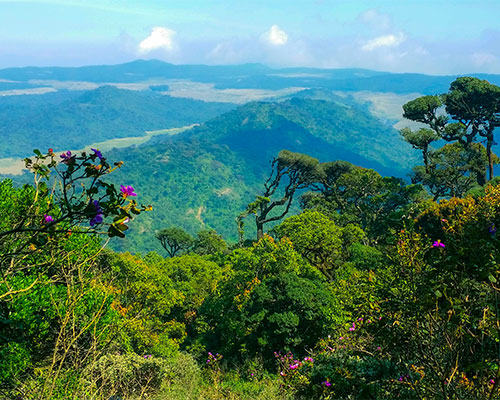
377 289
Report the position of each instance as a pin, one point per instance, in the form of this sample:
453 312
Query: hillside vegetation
203 177
74 119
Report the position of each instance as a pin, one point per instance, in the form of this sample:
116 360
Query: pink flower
48 218
438 243
326 383
353 327
127 191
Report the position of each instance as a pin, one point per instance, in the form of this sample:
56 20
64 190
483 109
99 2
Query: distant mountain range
248 76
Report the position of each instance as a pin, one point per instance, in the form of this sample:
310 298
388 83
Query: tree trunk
489 145
260 229
425 155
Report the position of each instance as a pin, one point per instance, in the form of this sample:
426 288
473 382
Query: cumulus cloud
276 36
159 38
384 41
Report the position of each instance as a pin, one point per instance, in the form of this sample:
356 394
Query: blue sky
437 37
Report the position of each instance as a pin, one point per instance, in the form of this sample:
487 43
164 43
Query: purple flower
353 327
98 154
400 379
96 220
48 218
127 191
492 230
326 383
360 319
99 216
66 157
438 243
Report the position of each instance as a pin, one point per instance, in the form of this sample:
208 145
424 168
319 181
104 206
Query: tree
425 110
209 242
453 169
420 140
475 104
175 240
350 194
297 171
318 239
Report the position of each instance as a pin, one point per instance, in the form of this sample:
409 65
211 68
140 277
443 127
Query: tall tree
175 240
475 104
296 171
471 109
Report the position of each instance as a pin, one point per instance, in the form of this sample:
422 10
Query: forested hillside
203 177
74 119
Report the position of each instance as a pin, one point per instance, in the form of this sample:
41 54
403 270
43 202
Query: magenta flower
47 218
326 383
127 191
492 381
353 327
438 243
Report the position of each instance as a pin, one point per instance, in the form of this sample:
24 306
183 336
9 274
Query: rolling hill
73 119
204 177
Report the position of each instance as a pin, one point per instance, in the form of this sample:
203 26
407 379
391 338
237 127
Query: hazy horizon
437 38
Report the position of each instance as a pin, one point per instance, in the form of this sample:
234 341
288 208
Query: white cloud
159 38
384 41
276 36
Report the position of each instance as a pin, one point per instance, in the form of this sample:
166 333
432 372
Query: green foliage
128 375
354 195
272 302
322 243
145 297
175 240
453 169
93 116
209 242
